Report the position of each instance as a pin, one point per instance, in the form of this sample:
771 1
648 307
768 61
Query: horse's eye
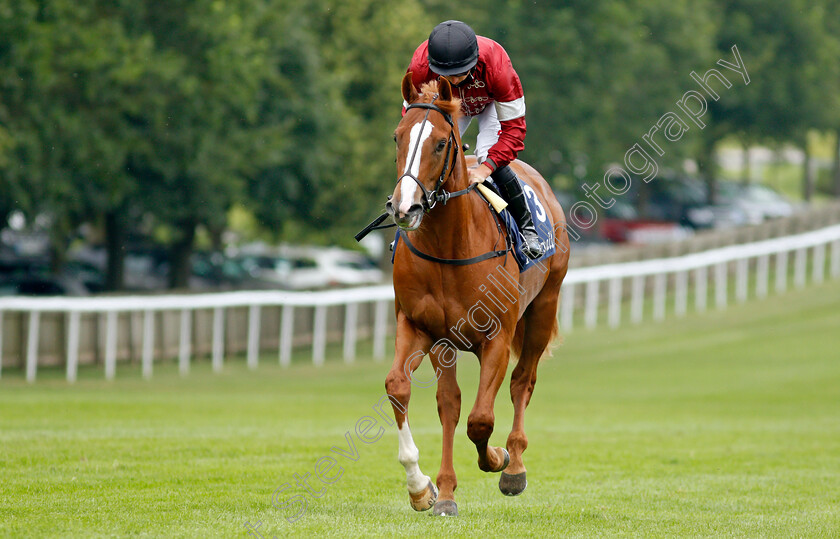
395 137
441 145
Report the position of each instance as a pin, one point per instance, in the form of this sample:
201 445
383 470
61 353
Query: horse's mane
430 89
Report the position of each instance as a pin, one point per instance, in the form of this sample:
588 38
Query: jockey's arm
511 142
509 100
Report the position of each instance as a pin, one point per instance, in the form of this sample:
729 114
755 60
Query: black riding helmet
453 48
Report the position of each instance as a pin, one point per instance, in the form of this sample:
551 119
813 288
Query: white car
758 202
302 268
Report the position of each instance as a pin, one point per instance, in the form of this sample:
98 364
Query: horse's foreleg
411 346
449 410
494 360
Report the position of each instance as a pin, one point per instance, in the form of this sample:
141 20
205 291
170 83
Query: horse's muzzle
409 220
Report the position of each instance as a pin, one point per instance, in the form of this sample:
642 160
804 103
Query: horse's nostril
415 208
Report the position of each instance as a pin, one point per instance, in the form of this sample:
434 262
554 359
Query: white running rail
737 259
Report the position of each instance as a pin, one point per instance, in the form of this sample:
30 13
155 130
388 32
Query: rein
453 261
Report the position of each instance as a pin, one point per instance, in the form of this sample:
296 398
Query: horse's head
427 144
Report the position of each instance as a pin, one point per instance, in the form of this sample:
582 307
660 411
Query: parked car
14 266
88 274
310 268
145 269
32 276
676 199
265 269
214 270
757 202
42 285
622 223
666 208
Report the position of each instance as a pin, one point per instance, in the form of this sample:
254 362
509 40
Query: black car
674 199
42 285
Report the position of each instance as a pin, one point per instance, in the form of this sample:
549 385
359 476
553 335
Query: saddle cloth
542 222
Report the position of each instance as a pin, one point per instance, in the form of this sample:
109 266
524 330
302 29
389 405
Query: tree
596 75
341 103
135 108
70 79
205 132
832 106
791 56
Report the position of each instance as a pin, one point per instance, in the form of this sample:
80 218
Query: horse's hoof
446 508
425 499
512 484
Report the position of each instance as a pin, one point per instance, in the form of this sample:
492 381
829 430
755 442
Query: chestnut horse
456 290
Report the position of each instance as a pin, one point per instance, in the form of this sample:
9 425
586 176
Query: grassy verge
719 424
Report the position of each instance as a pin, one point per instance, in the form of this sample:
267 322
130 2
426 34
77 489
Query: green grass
721 424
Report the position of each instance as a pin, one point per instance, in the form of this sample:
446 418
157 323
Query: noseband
430 198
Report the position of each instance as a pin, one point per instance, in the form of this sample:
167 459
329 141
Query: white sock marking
409 457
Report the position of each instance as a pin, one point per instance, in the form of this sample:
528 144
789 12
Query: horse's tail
553 340
556 338
518 340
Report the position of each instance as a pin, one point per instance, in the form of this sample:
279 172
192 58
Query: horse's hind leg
411 346
449 409
540 319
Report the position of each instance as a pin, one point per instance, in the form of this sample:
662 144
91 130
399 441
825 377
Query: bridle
431 198
438 194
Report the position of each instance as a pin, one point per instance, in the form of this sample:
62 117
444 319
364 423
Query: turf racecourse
721 424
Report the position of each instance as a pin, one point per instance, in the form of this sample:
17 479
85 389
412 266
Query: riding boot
510 188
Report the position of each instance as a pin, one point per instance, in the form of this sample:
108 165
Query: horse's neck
452 230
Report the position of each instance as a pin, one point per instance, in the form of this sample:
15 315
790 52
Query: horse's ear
444 89
408 91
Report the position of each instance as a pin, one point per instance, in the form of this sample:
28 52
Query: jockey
481 71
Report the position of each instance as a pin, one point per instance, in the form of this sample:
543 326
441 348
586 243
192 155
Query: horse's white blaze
409 457
408 187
